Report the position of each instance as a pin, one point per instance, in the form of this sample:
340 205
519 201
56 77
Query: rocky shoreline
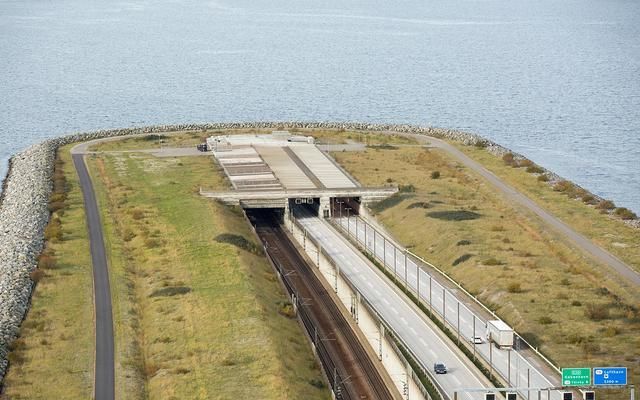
24 202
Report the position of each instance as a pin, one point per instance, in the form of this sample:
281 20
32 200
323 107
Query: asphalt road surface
104 384
410 326
512 365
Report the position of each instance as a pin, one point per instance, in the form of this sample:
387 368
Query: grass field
552 294
53 359
610 233
195 317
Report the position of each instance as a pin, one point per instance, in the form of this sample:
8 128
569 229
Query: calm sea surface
556 80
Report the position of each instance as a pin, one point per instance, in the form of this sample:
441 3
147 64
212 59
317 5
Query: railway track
350 370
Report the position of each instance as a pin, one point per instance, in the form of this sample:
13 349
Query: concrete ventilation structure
279 170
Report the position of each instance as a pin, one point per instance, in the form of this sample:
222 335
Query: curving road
104 384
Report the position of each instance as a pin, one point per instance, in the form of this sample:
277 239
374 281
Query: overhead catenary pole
473 339
528 382
384 252
356 229
444 310
509 367
430 297
366 244
405 269
395 261
418 283
458 315
490 359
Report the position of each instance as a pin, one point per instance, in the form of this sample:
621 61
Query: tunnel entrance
265 216
310 204
345 206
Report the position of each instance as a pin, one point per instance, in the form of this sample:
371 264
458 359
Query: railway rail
349 368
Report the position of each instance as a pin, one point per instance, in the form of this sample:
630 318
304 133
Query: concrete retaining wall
24 200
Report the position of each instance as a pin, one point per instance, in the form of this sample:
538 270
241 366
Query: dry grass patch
585 218
519 268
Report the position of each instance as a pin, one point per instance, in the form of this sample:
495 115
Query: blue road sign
610 376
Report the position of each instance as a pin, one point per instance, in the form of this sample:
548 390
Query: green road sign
576 376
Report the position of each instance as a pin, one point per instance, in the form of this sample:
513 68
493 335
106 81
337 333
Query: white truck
500 333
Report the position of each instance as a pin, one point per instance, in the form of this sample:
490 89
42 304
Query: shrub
170 291
239 241
152 137
565 282
152 243
435 175
150 369
420 204
543 178
508 159
492 261
576 303
534 169
461 259
128 235
406 188
55 206
384 146
137 214
625 213
286 309
53 231
531 338
454 215
588 199
605 205
46 261
57 197
514 287
463 242
545 320
182 370
525 163
611 331
574 338
564 186
596 312
389 202
36 275
590 347
317 383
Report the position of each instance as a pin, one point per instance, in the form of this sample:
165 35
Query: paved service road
409 325
104 384
580 241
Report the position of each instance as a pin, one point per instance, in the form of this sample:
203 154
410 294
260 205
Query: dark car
440 368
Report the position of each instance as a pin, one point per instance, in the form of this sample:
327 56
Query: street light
340 203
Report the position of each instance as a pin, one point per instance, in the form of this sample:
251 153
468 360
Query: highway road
513 366
408 323
104 383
